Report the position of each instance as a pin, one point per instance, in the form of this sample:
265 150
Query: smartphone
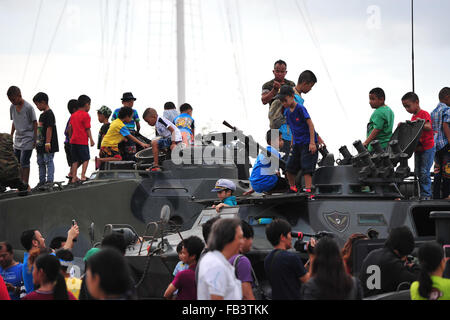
74 222
446 250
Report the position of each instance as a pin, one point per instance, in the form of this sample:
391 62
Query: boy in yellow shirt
117 131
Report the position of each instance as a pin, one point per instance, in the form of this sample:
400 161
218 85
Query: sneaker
293 190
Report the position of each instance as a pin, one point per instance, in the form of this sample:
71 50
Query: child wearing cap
225 189
117 131
103 117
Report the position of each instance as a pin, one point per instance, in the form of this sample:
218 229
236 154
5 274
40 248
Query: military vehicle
367 193
125 193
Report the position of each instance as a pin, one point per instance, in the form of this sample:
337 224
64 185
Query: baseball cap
285 90
90 253
223 184
104 110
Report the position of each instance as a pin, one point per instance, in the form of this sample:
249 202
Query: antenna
412 44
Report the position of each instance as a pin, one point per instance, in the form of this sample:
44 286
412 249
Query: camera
303 247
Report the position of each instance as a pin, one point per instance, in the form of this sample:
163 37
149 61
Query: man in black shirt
385 269
284 269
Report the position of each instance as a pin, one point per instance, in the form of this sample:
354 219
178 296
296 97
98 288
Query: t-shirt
171 114
117 130
13 275
27 274
185 283
243 268
23 123
216 277
276 110
162 127
66 132
47 120
263 178
439 116
3 290
231 201
180 267
284 270
80 122
130 125
184 122
39 295
382 119
296 120
427 137
440 289
103 131
73 285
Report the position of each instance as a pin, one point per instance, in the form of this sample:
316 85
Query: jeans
441 186
423 162
46 167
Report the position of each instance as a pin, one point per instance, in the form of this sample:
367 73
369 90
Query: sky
103 48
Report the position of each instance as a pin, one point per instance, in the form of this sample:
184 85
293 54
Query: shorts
68 150
300 158
23 156
442 162
80 153
281 185
164 143
110 152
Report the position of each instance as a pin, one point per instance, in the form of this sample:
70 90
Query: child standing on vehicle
80 133
303 153
424 154
185 123
381 121
47 141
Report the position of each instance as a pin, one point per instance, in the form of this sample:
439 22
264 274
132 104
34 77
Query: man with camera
284 269
386 269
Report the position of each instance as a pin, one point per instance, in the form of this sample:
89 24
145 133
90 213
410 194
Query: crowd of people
217 267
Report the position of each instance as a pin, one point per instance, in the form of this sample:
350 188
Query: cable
32 41
310 28
51 43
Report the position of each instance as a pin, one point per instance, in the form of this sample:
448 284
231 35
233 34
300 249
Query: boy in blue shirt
185 123
225 189
303 153
263 177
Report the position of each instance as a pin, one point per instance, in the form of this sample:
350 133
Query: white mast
181 53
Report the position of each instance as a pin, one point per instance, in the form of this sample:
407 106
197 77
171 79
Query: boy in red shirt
80 132
424 153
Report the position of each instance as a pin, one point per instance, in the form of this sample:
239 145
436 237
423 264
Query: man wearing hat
128 147
103 117
225 189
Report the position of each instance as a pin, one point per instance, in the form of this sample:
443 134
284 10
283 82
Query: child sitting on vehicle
117 131
185 123
169 134
264 178
225 189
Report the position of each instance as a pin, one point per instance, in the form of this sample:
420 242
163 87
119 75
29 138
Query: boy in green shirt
381 121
